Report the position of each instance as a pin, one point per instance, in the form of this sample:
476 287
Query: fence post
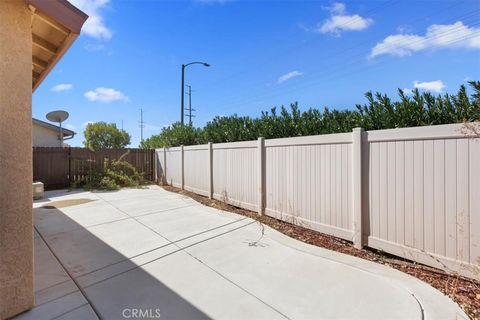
164 171
261 175
70 180
153 165
357 134
210 170
183 166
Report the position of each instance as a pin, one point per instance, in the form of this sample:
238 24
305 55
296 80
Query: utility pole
142 124
189 109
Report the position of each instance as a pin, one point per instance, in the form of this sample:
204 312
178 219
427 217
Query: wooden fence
61 167
412 192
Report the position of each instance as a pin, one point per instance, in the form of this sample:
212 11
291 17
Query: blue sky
262 54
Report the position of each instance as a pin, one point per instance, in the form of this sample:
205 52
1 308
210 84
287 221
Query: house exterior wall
43 137
16 222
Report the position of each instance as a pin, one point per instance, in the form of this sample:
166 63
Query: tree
174 135
102 135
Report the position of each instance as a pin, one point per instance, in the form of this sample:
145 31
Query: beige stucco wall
16 225
43 137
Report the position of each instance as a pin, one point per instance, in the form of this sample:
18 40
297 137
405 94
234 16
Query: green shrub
113 175
107 183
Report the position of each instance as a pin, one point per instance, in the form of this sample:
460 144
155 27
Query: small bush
107 184
114 174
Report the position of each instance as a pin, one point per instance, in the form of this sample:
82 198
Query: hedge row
380 112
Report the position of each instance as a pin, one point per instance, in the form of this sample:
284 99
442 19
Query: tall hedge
380 112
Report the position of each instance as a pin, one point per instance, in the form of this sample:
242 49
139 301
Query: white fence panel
309 182
174 167
196 173
235 173
424 195
414 192
160 159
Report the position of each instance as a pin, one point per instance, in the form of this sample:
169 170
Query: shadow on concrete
109 295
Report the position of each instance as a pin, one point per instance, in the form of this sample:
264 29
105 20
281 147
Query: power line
332 77
360 44
270 59
342 52
338 67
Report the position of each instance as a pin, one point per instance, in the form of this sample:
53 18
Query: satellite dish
58 116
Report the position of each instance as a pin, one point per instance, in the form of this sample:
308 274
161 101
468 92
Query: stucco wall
16 225
43 137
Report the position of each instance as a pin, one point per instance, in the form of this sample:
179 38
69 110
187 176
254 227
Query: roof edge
47 125
61 11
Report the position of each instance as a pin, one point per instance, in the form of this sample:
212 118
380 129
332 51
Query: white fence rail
412 192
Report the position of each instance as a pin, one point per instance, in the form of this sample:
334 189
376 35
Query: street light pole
183 94
182 106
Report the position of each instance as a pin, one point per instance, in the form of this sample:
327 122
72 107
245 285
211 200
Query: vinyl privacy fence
412 192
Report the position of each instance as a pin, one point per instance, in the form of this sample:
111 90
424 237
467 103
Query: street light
183 86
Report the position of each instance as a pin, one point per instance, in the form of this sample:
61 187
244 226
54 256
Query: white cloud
105 95
62 87
94 26
69 126
456 35
339 21
288 76
407 91
337 8
435 86
88 122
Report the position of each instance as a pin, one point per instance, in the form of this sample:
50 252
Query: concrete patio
156 254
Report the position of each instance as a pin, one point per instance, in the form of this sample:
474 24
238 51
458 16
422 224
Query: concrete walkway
149 253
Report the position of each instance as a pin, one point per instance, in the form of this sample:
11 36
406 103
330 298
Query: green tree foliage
173 135
380 112
102 135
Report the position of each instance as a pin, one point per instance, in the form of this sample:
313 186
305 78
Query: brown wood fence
61 167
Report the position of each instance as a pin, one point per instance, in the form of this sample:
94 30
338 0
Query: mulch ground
464 291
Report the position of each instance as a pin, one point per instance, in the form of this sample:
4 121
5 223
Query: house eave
66 132
55 26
